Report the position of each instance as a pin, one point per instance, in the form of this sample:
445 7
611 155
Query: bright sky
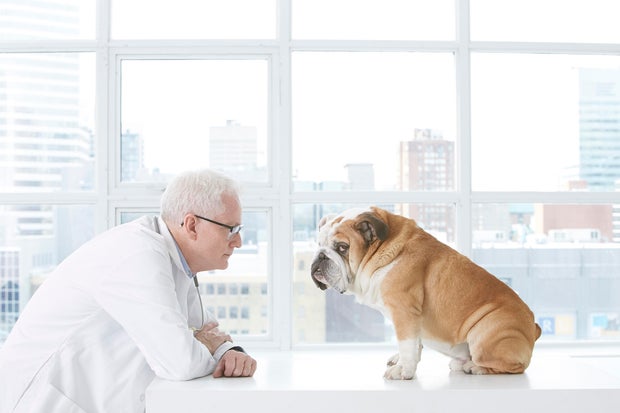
357 107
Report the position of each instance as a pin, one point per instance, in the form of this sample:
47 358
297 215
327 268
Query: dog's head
344 240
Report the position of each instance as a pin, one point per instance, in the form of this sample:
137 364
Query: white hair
196 192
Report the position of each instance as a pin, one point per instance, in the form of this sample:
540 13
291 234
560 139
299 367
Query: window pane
241 285
194 19
206 113
327 316
563 260
373 121
583 21
47 20
373 19
34 239
545 122
128 216
47 115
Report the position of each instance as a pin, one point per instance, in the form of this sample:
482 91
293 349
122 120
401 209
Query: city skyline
354 116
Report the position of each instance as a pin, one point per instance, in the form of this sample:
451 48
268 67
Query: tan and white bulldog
434 295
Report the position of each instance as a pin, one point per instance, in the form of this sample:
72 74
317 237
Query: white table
352 381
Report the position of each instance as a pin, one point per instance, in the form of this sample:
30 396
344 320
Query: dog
435 296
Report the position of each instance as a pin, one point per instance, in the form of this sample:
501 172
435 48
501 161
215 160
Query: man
123 308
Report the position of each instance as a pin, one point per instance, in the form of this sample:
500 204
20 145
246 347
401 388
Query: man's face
211 246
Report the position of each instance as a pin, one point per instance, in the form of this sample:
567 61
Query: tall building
233 149
615 218
132 157
9 288
599 128
427 164
361 176
45 146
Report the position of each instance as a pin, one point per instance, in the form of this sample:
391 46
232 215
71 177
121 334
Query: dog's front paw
400 372
392 361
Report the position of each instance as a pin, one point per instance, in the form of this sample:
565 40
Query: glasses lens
235 230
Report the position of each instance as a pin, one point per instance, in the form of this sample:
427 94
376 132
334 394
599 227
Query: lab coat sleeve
194 305
140 295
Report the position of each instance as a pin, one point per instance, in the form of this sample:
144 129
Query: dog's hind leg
506 355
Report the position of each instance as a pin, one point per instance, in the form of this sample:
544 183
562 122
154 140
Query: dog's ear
324 219
372 227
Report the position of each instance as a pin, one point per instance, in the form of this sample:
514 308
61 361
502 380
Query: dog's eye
342 248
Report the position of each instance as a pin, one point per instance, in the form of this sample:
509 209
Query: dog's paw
399 372
392 361
471 368
457 365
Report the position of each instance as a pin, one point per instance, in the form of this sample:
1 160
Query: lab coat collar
170 241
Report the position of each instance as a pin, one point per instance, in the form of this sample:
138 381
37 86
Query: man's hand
235 364
210 336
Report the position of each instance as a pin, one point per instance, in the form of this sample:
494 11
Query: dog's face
344 240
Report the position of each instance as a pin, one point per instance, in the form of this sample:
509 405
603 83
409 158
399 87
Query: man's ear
188 225
371 227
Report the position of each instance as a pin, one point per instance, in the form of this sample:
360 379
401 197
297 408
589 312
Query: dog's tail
538 331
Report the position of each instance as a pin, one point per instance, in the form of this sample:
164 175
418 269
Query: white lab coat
111 316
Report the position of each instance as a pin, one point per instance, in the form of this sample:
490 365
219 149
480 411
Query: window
502 141
206 113
408 99
194 19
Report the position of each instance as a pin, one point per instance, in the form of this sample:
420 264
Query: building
242 141
45 142
427 164
599 126
572 220
132 157
9 289
361 176
570 287
238 297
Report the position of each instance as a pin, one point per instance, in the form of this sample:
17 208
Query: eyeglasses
234 229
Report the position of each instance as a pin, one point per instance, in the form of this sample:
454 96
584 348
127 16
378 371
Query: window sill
315 381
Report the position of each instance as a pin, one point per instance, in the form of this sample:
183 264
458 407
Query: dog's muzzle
317 270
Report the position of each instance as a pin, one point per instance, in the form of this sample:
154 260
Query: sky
356 107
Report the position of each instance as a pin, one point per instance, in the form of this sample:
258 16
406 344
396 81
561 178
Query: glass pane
579 21
128 216
545 122
194 19
373 121
47 112
563 260
206 113
34 239
47 20
373 19
327 316
240 295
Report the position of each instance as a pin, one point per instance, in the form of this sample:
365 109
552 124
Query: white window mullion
104 127
281 172
463 96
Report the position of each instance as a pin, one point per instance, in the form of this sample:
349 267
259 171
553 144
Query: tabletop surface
296 377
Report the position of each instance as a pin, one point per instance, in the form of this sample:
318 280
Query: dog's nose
322 256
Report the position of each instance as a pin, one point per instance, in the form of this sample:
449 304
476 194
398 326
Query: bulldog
435 296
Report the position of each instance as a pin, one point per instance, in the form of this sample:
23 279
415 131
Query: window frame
110 197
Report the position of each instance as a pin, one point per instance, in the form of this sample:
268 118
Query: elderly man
124 308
